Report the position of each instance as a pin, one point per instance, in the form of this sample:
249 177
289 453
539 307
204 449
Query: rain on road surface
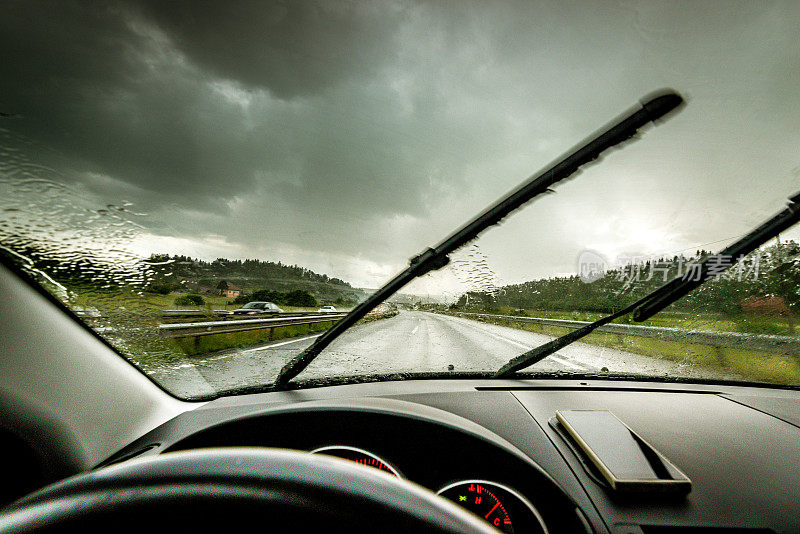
411 341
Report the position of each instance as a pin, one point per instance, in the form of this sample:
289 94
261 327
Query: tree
160 289
300 297
266 295
190 300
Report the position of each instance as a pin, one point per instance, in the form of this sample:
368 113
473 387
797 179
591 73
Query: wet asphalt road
411 341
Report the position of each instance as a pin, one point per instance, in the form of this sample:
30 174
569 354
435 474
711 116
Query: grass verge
196 345
754 365
691 321
193 346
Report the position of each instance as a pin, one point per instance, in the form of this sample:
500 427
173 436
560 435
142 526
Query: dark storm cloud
195 104
111 99
291 48
362 132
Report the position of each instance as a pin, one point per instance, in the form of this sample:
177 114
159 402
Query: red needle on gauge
492 510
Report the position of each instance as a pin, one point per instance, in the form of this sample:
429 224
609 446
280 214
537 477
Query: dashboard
449 456
491 447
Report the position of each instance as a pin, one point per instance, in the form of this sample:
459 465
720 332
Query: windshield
163 165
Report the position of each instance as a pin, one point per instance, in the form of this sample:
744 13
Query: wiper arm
623 128
713 265
673 290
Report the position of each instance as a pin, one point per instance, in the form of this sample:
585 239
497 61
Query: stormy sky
348 136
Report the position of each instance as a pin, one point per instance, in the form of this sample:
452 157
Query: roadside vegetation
125 299
297 297
741 322
190 300
759 295
182 274
749 364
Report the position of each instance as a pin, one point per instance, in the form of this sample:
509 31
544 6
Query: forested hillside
182 273
767 281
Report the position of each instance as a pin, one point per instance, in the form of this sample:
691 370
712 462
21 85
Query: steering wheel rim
208 489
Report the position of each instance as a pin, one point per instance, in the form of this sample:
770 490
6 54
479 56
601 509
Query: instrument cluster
496 503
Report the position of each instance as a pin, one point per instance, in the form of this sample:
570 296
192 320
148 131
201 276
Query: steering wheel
245 489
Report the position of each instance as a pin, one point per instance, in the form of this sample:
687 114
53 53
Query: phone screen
610 441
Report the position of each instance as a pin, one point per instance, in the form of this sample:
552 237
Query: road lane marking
236 353
415 330
562 361
278 344
497 336
553 357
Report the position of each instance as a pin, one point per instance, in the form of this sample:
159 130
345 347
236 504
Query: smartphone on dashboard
626 461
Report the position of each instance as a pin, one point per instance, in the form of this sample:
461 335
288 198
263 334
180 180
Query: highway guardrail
206 328
188 314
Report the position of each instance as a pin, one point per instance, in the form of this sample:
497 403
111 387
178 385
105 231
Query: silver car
257 308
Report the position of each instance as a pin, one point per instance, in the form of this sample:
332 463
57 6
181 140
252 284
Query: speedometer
499 505
358 456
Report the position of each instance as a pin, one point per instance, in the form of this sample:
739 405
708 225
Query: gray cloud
288 48
350 134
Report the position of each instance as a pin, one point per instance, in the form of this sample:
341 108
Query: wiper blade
673 290
656 107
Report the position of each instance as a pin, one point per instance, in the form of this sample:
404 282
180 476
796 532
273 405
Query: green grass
151 304
196 345
136 315
192 346
753 365
688 321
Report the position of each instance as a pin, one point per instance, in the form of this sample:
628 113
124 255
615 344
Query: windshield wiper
656 106
673 290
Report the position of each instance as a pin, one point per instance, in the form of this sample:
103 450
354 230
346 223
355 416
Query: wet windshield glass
162 165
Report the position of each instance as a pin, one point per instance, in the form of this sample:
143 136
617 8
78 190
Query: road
411 341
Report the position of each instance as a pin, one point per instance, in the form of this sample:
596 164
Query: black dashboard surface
734 443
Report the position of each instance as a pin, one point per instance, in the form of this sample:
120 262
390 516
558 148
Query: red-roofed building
227 290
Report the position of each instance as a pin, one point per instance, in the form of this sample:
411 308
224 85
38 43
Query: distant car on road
257 308
327 309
